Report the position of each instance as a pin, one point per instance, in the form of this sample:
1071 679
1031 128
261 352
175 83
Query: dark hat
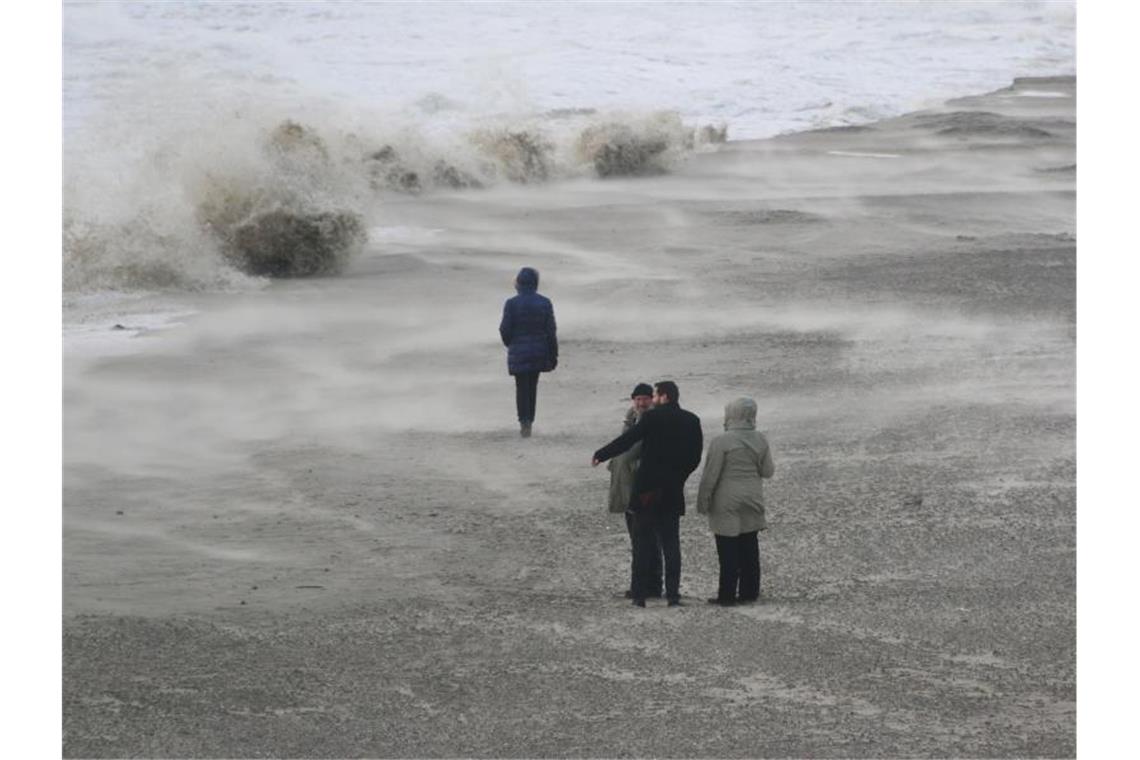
642 389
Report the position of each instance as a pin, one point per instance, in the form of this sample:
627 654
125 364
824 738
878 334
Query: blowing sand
303 522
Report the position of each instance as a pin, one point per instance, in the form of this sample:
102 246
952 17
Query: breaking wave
229 194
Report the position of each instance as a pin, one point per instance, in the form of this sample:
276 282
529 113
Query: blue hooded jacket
528 330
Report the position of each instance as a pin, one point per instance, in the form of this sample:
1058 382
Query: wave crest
235 194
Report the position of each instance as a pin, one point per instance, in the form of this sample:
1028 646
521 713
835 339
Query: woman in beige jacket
731 495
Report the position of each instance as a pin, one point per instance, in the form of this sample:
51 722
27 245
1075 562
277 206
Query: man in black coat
670 451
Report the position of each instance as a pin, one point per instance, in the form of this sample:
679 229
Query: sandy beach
302 523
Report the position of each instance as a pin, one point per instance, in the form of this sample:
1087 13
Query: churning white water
763 68
184 121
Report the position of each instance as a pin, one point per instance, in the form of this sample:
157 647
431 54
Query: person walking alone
731 494
530 335
670 451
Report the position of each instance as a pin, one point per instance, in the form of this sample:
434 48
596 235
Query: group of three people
658 449
649 464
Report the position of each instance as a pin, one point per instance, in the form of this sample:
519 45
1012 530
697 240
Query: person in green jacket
622 469
731 494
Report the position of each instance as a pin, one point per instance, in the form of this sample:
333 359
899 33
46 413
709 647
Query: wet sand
304 524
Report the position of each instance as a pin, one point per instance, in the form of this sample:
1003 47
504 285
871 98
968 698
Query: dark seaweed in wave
616 150
524 156
265 231
288 244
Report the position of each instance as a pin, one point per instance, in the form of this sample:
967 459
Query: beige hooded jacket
730 492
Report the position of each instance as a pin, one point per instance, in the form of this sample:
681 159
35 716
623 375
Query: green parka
730 492
623 468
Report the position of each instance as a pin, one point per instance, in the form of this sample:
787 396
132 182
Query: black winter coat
670 451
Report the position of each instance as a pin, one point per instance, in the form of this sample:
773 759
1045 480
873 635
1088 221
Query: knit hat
642 389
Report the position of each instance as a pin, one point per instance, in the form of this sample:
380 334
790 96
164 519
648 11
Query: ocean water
173 110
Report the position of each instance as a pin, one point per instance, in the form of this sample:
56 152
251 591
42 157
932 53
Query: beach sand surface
302 523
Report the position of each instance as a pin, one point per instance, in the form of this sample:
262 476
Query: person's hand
595 462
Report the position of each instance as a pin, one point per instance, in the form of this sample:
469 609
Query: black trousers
652 528
526 395
651 582
739 567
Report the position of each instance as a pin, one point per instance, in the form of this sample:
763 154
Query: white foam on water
762 68
1040 94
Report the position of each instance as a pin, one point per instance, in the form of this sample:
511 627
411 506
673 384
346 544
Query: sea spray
640 146
287 225
222 191
522 155
131 226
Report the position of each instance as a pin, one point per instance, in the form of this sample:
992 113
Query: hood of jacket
740 414
527 280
